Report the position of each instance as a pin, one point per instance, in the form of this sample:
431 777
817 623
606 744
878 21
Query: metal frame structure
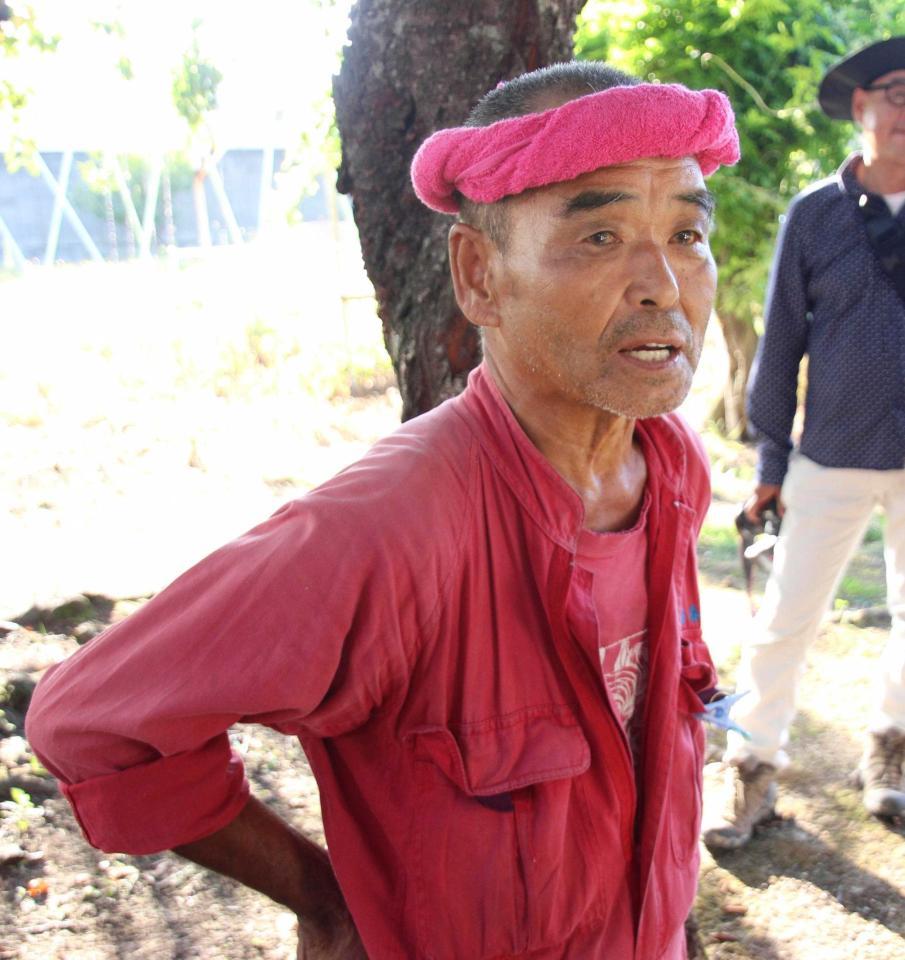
143 227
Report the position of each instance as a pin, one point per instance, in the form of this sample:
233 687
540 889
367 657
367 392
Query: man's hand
340 942
763 494
327 931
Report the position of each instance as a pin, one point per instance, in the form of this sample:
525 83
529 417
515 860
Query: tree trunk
412 68
169 224
110 221
202 217
741 345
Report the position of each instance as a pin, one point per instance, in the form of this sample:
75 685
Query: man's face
882 123
605 288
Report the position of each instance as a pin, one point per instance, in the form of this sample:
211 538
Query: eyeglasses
894 91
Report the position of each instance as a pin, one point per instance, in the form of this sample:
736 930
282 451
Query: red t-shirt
617 563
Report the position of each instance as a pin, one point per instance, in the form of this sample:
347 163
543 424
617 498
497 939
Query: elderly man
837 294
485 634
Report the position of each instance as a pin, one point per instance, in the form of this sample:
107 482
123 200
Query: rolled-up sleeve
134 725
163 803
305 624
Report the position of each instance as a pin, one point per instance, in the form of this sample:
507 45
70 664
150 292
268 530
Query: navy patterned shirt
829 298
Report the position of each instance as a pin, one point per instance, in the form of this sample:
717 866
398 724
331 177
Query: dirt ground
823 882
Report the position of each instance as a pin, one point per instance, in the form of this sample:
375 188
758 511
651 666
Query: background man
834 297
485 633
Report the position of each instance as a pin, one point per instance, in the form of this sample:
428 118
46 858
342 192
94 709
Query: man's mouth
652 352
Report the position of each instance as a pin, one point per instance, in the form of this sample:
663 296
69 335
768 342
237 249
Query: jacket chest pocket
508 856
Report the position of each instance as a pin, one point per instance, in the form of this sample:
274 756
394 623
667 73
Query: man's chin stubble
648 405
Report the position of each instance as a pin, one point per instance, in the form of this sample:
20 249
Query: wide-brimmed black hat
858 70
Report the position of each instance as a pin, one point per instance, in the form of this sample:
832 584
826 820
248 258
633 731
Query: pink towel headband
602 129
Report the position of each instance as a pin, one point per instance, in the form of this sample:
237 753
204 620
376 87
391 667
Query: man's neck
881 175
593 450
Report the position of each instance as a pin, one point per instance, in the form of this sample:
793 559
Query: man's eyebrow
701 198
593 200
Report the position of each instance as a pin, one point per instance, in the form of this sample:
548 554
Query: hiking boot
880 773
735 807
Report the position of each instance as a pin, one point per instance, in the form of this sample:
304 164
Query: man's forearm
772 460
262 851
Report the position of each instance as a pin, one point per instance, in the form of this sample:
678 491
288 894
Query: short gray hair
523 95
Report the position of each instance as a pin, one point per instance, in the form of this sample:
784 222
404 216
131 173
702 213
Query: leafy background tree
769 56
195 87
19 28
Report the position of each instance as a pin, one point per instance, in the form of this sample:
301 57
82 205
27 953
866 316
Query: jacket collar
852 187
543 493
846 179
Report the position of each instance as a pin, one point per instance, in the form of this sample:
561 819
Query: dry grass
150 411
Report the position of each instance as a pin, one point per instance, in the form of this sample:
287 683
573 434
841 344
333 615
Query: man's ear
471 258
858 96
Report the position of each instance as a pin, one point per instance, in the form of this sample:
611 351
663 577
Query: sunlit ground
150 411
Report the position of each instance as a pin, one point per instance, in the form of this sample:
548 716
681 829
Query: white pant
827 512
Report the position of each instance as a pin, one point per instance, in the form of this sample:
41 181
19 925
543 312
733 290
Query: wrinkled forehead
647 188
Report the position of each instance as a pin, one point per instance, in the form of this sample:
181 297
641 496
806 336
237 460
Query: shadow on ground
823 856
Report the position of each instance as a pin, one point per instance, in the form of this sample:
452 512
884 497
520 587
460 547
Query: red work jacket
407 622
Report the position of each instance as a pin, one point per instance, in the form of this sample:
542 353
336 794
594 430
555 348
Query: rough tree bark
415 66
741 345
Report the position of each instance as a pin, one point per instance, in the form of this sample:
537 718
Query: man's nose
653 284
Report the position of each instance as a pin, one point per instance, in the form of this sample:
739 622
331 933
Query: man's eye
602 237
688 237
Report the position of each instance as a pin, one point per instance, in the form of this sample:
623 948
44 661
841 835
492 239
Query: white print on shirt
895 201
624 667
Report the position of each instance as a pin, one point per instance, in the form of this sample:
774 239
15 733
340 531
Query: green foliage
36 767
20 797
97 180
719 541
22 28
316 151
855 590
875 529
18 31
769 57
195 85
124 65
115 29
23 808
